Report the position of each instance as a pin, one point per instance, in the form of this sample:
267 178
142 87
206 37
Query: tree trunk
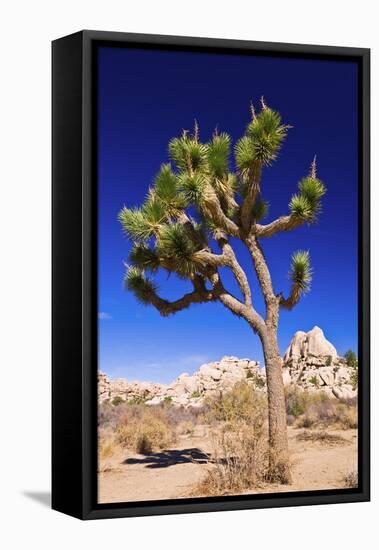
279 467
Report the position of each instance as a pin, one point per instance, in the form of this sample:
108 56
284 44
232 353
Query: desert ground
206 434
174 472
320 459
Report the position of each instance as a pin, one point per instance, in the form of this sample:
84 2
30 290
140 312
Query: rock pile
209 380
310 363
187 389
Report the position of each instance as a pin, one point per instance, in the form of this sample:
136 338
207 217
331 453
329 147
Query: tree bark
279 466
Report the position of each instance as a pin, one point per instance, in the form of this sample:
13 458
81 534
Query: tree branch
204 258
293 298
253 189
264 278
198 296
211 208
239 274
284 223
235 306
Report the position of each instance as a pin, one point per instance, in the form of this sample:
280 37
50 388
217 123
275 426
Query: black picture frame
74 272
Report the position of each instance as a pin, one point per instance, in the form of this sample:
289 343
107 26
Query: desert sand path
173 473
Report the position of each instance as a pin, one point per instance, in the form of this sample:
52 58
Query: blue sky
145 98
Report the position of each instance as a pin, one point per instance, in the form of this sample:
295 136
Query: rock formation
187 389
310 363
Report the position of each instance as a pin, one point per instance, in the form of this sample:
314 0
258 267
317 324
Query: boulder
312 343
210 371
318 345
296 349
343 375
287 380
326 375
343 392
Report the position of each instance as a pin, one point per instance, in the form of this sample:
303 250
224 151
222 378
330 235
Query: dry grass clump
186 427
312 410
351 479
151 431
145 428
239 405
110 416
322 437
106 450
347 416
239 457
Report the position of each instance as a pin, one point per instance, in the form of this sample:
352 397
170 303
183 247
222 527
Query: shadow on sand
171 457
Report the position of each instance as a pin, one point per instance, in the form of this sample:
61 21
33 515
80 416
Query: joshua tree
194 210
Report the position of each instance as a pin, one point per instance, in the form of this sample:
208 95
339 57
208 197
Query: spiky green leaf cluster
313 190
144 257
142 287
141 223
134 223
264 137
301 272
244 154
192 187
188 153
218 153
176 246
307 203
165 191
300 207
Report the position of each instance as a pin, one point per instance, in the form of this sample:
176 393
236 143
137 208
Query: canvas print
227 274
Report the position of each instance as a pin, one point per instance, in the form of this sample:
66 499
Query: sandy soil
173 473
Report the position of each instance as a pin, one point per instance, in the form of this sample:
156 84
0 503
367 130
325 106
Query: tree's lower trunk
277 419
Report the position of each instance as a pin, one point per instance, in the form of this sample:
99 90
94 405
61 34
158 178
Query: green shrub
295 402
351 359
118 400
137 400
314 380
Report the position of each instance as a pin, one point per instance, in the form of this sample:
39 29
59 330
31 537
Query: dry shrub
299 402
145 428
240 405
239 462
147 433
110 416
351 479
331 413
178 415
313 410
239 458
186 427
106 450
347 416
324 438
